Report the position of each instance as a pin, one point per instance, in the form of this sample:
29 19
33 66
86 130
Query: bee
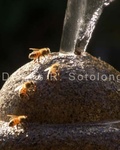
38 53
26 89
16 120
53 71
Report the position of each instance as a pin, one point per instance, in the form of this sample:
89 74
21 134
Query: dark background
38 23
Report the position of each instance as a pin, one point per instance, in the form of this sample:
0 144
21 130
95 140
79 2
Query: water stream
80 20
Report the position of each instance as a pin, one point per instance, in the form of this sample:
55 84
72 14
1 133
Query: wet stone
79 111
87 91
61 137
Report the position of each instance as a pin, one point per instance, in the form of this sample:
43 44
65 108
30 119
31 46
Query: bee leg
38 59
34 88
24 96
27 97
17 126
24 125
58 75
54 76
34 60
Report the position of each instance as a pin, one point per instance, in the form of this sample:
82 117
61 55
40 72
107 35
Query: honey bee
16 120
53 72
38 53
26 89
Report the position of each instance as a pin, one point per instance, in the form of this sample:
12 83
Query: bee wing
34 49
12 116
47 69
20 117
18 88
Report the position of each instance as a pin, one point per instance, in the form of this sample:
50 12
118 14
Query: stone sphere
87 90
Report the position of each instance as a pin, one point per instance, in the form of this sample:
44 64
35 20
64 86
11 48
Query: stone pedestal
72 112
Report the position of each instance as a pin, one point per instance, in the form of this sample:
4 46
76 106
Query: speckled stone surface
59 113
75 98
100 136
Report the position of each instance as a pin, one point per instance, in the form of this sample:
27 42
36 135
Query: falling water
80 20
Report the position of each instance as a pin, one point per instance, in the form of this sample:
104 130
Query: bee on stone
26 90
16 120
53 71
38 54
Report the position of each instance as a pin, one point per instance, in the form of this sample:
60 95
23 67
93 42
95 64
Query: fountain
79 111
80 20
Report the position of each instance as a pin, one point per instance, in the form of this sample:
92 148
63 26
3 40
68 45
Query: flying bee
53 71
26 89
38 53
16 120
